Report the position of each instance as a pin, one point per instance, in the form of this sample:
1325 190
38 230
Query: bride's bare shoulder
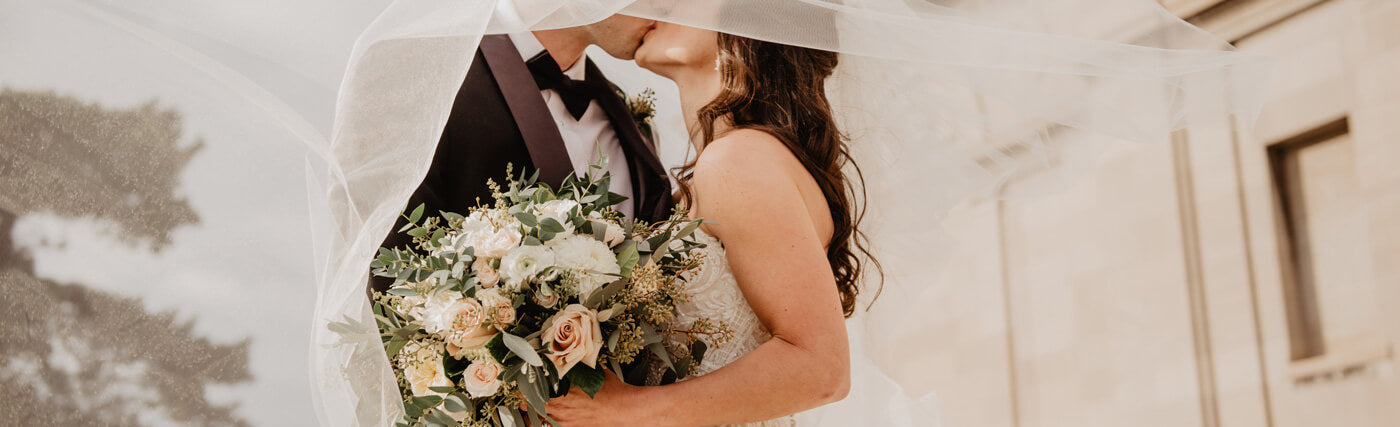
747 172
745 154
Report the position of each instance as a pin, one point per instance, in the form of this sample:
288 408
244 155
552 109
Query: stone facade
1221 279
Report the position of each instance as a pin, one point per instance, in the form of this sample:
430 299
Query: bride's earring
716 64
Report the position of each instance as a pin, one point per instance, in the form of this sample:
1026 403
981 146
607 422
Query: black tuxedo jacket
499 117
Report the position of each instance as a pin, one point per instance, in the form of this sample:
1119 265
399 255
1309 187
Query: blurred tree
70 355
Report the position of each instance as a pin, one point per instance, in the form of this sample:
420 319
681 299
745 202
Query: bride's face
670 49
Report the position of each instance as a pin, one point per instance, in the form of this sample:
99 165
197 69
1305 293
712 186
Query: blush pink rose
479 380
466 330
573 336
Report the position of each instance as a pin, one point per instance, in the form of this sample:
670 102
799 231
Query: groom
534 100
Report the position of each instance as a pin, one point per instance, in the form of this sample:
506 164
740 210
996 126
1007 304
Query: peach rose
465 329
486 277
546 297
497 304
573 336
479 380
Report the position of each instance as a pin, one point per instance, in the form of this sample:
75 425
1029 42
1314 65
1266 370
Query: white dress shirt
584 137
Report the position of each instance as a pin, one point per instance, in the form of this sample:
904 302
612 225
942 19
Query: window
1327 277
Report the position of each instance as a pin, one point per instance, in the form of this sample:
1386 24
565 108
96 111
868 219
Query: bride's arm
747 187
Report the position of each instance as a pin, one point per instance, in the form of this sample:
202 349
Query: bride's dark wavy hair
781 90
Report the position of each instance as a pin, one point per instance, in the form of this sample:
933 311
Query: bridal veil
942 100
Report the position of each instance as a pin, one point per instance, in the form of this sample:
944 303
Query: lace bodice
715 295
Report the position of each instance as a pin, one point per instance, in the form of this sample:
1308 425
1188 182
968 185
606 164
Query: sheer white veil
942 100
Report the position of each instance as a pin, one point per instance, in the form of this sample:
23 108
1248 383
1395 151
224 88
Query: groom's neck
565 45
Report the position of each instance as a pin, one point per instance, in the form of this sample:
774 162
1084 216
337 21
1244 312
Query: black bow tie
576 94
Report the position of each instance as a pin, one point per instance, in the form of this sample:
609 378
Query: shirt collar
529 46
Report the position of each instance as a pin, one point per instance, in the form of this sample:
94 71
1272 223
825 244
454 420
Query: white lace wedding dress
715 295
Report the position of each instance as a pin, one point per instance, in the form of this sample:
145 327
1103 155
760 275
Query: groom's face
620 35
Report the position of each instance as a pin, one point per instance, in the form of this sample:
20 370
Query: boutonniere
643 107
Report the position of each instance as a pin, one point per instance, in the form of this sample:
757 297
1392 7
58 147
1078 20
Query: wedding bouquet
513 304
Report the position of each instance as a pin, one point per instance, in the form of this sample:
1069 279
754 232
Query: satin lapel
537 126
653 182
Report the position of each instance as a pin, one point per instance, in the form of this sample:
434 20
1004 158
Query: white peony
492 243
590 261
557 210
476 222
434 315
524 264
413 305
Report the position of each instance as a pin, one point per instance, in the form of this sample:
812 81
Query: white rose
497 305
480 378
590 261
557 210
486 277
423 369
490 243
525 263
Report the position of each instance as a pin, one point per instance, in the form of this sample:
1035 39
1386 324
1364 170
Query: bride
785 250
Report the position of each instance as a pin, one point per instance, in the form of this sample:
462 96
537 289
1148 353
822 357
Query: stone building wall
1245 279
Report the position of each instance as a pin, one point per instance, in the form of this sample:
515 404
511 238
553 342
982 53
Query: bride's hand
616 404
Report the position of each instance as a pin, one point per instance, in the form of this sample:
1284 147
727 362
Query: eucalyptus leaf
586 378
437 416
683 367
456 403
552 226
526 218
659 350
427 401
627 259
395 345
612 339
534 395
417 213
649 335
403 292
604 315
522 349
599 230
598 296
697 351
